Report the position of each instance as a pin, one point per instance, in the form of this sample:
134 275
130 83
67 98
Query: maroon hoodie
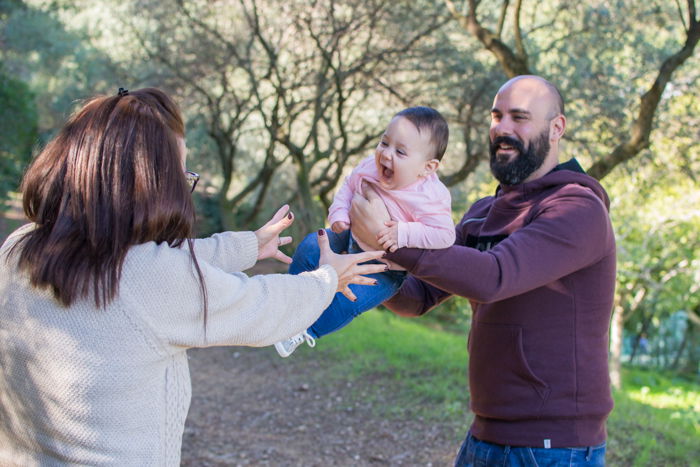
537 262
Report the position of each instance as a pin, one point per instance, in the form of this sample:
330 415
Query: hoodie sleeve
570 231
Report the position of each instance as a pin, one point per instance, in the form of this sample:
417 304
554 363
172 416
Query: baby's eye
383 143
401 152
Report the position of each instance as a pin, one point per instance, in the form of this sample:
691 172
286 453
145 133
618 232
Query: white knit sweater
90 386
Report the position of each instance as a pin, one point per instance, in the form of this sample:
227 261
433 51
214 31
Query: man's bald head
543 87
527 122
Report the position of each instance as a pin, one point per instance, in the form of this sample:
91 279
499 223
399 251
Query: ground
253 408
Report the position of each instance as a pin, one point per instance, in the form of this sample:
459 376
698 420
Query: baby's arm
428 236
432 226
389 237
339 226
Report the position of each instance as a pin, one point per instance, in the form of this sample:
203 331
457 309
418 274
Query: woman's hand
347 267
269 240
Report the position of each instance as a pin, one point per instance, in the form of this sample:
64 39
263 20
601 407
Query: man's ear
430 167
557 126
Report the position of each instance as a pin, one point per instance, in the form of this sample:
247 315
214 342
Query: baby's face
402 154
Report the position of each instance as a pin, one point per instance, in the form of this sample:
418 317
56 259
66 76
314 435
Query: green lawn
656 421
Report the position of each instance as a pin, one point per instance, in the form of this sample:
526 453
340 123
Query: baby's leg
341 310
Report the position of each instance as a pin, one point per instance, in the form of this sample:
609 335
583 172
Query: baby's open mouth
387 172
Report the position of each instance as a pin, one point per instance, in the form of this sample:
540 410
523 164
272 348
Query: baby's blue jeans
342 310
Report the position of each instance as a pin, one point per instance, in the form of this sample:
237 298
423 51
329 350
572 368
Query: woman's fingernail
289 216
374 282
386 268
321 232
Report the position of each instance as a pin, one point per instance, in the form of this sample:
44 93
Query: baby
402 171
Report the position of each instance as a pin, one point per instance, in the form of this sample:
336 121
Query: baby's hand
389 238
339 226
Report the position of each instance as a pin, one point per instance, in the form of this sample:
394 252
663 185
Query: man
537 261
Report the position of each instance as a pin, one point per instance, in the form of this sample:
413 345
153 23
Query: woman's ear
430 167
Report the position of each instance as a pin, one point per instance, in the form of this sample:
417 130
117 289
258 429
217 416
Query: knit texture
89 386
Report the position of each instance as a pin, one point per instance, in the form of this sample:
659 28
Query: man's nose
502 127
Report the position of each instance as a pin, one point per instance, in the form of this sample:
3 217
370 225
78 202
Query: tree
525 56
18 131
288 93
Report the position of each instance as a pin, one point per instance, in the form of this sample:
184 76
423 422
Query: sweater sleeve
566 235
162 284
230 251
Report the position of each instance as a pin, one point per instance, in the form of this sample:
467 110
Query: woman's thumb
323 241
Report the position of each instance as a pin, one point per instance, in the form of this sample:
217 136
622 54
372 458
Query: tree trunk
616 328
692 364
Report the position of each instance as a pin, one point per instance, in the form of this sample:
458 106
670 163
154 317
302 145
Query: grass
421 372
656 421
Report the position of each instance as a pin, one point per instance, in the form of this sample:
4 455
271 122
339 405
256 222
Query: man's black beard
525 162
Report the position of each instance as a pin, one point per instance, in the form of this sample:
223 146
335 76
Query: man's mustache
514 143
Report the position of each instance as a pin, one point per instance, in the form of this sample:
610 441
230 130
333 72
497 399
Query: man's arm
415 298
571 232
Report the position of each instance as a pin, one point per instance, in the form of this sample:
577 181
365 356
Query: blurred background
283 97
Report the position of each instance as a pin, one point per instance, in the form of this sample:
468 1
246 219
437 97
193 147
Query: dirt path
252 408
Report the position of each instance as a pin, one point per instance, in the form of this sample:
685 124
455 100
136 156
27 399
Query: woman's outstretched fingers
346 266
268 237
348 294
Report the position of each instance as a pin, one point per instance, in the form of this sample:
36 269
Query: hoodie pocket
502 384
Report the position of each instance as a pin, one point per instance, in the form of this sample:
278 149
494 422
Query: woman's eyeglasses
192 179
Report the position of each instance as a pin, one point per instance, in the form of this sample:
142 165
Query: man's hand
368 216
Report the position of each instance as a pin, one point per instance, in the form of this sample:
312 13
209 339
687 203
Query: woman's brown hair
112 178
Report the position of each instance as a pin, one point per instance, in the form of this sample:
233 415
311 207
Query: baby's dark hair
427 117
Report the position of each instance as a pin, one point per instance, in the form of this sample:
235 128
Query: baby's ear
431 166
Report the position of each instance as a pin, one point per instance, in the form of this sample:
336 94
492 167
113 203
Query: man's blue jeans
341 310
477 453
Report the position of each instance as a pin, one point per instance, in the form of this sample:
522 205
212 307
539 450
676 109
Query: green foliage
18 131
657 222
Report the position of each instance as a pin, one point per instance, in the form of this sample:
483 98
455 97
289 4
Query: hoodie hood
563 174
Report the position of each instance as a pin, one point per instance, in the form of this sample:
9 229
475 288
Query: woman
101 296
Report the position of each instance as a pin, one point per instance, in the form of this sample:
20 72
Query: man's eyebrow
520 111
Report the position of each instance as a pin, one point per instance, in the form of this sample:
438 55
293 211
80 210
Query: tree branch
638 139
